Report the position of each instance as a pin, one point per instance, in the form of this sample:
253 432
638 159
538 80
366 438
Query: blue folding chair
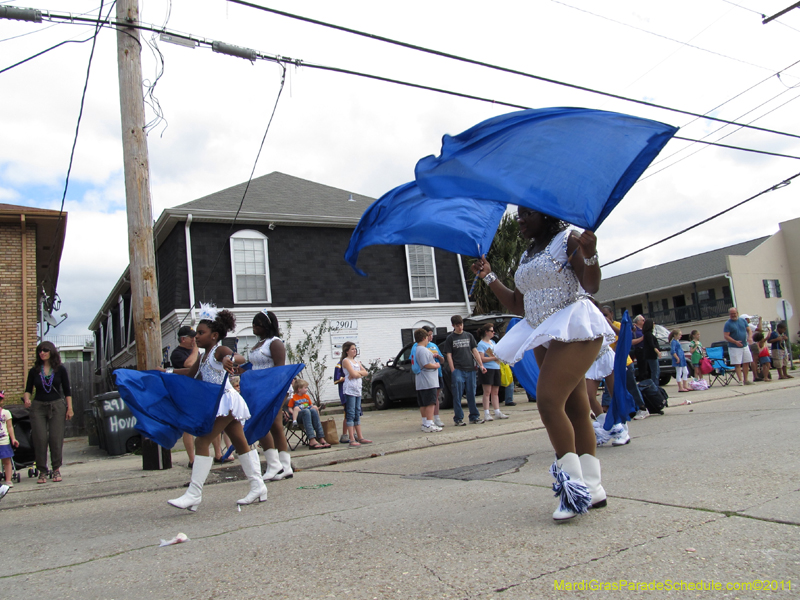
722 372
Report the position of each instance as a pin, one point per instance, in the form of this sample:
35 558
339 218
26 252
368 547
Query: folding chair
722 372
296 434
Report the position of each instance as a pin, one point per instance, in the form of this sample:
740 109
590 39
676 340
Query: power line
494 67
777 186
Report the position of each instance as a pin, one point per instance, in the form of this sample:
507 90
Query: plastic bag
506 376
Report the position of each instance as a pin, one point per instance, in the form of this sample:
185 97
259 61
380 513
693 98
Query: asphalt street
707 494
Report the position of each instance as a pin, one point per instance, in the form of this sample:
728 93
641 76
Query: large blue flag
622 405
264 391
527 370
165 405
572 163
405 215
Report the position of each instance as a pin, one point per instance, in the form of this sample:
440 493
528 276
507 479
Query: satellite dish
785 311
50 320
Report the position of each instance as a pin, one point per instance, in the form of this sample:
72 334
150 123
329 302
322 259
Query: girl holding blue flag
232 413
566 331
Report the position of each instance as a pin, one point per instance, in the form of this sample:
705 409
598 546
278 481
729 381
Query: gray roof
281 198
672 274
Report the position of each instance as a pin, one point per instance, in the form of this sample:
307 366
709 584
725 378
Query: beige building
760 277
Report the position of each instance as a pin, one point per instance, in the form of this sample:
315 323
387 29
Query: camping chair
722 372
296 434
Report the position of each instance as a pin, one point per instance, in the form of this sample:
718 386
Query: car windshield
405 355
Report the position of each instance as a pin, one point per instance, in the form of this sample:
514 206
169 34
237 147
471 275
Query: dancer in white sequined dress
566 331
232 413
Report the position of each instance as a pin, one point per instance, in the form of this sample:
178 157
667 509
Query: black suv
396 382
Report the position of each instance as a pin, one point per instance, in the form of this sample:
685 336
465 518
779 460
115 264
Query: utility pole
146 315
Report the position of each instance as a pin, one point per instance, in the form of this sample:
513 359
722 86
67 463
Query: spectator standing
426 381
735 333
778 339
183 357
338 379
763 354
490 380
696 348
354 373
652 351
437 355
637 346
462 355
679 361
7 440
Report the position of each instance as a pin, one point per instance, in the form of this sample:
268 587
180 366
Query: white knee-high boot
274 466
569 487
194 495
590 468
251 465
286 462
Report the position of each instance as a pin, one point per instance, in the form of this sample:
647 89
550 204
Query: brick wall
12 373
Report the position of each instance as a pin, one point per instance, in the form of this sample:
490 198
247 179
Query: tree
507 248
307 351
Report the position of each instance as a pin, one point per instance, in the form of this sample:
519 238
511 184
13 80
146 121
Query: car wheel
379 397
445 398
664 380
132 444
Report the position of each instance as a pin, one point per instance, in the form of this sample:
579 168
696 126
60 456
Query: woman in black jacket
652 351
50 409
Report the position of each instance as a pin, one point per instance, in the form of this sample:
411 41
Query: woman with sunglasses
50 409
491 379
566 331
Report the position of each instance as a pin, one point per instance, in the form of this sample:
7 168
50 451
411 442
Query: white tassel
601 434
574 495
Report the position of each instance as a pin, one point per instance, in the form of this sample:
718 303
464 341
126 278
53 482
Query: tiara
208 312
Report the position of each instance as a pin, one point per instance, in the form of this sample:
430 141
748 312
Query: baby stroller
24 456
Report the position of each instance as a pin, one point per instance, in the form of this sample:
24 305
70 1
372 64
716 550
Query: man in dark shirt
183 357
637 347
462 357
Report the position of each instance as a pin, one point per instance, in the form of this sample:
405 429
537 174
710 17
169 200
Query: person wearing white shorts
735 332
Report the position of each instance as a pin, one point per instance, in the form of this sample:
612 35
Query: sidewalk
90 473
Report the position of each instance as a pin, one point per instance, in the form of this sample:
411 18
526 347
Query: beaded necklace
47 380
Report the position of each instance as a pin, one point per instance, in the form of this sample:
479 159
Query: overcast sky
366 136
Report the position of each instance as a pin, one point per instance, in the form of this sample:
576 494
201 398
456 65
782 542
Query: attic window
250 268
422 273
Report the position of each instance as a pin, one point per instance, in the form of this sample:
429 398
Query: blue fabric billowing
405 215
165 405
527 370
622 404
572 163
264 391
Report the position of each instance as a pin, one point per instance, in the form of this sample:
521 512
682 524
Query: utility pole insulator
20 14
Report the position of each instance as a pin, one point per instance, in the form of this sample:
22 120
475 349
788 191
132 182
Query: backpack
415 368
655 397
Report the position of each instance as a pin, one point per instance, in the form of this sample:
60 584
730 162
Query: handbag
331 435
705 366
506 376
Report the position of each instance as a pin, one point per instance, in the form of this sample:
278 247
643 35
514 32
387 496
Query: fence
81 376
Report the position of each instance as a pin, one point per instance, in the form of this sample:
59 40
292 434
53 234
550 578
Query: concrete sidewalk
90 473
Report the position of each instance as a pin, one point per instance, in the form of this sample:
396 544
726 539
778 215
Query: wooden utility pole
146 315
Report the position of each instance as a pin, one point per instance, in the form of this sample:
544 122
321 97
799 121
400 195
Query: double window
250 268
422 273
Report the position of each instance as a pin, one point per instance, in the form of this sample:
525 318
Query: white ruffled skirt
580 321
602 367
233 403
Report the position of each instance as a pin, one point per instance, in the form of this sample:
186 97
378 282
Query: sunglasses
44 351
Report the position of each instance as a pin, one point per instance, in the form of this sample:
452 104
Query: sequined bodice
211 369
546 290
261 357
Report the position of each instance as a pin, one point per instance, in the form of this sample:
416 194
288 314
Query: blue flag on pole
622 405
264 391
575 164
405 215
527 370
165 405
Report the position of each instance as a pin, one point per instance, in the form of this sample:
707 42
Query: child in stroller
7 441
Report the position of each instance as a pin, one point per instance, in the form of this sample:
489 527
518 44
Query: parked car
395 382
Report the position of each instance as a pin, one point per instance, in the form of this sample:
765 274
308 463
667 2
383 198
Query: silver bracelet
490 278
170 370
590 262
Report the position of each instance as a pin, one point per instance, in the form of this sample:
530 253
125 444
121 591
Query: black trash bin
115 424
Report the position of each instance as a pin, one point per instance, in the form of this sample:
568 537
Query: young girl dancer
267 353
213 327
566 332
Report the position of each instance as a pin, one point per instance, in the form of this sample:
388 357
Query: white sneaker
500 415
3 490
619 435
488 417
437 421
430 429
642 414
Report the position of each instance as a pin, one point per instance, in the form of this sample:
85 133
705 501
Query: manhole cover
476 472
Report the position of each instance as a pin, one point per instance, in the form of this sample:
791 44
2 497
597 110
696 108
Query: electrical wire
492 66
760 14
88 12
777 186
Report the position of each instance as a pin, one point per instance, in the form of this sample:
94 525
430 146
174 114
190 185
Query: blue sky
366 136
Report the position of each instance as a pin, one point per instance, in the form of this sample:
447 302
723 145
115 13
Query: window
250 268
422 273
772 288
